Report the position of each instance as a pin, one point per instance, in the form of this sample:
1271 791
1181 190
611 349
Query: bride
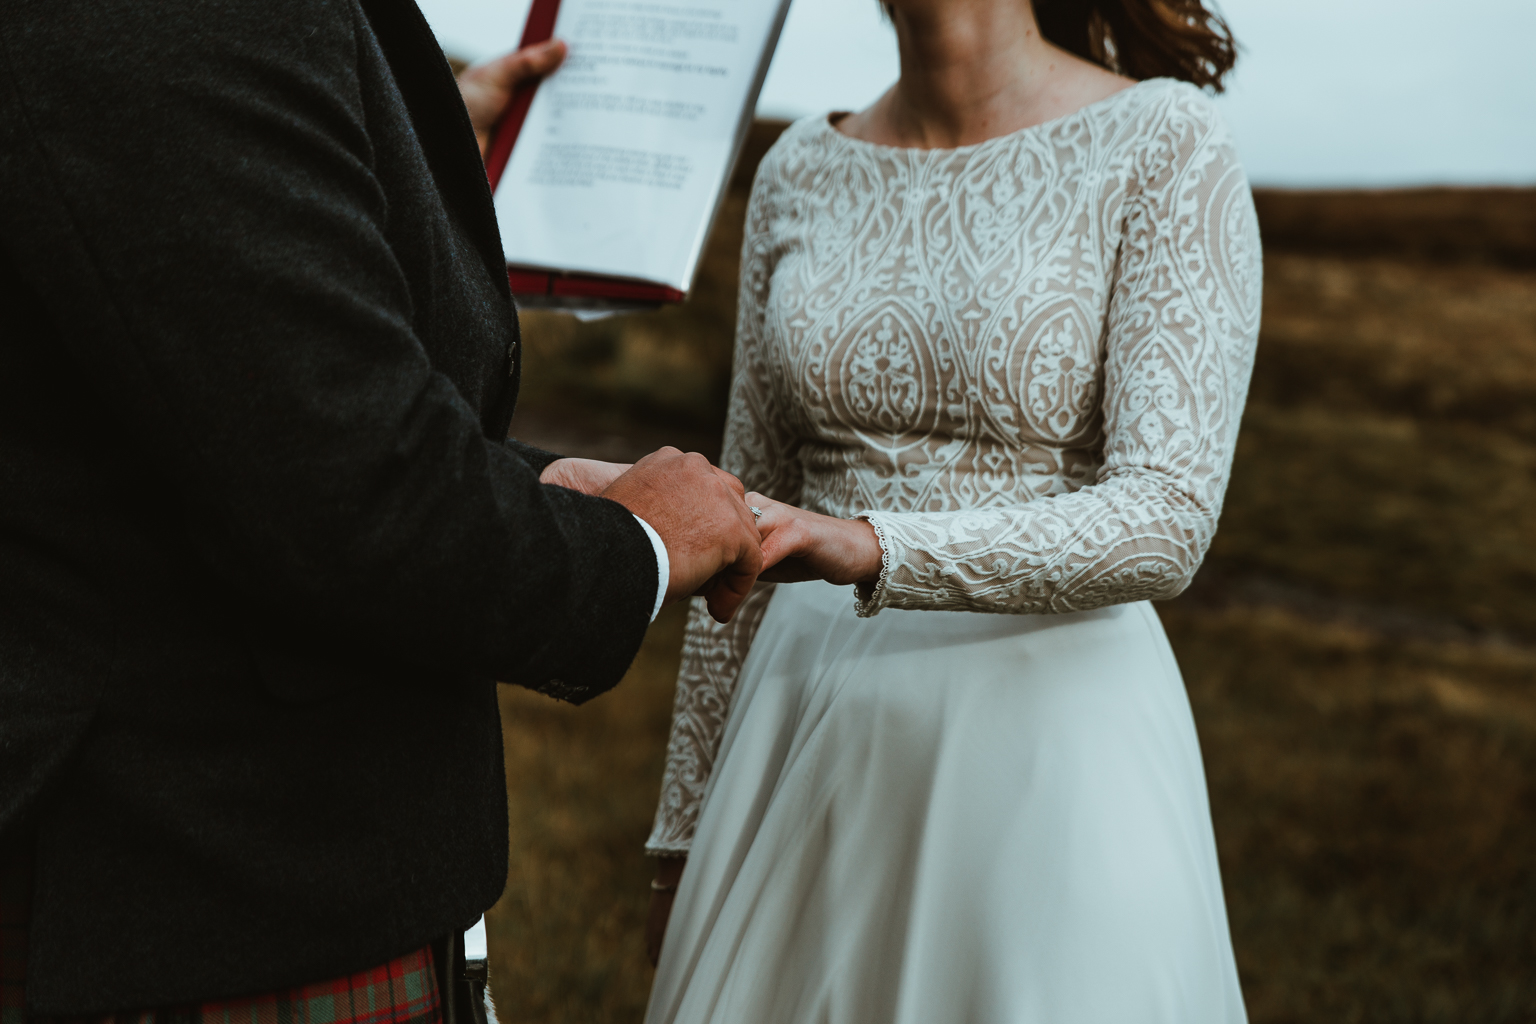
995 338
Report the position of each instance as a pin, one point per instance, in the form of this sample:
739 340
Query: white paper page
618 165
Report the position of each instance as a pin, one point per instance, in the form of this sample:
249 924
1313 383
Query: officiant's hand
800 545
702 517
487 87
588 476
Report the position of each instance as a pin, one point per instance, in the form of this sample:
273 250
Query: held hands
701 514
800 545
716 548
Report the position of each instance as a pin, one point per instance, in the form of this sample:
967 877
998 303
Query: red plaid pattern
403 991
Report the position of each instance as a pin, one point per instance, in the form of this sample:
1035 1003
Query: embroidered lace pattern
1023 361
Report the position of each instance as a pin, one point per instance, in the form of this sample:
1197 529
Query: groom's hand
701 514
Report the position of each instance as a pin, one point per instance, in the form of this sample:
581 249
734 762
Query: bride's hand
800 545
585 475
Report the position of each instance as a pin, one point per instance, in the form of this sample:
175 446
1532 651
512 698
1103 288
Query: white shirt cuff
663 565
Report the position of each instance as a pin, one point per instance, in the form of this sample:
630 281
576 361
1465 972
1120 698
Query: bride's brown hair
1143 38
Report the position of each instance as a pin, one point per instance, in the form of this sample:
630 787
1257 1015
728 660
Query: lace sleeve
759 449
1179 343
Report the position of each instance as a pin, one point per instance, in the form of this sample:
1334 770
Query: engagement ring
757 513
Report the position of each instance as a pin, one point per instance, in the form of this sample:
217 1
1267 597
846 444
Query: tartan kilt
403 991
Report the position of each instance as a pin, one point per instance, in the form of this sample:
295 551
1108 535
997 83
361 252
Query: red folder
527 283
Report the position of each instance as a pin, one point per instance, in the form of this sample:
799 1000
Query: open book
607 175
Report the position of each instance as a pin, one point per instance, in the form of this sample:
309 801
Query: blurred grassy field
1388 452
1360 650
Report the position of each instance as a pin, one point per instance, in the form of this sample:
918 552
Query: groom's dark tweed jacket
262 547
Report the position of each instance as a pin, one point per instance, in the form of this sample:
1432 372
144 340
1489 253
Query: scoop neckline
826 123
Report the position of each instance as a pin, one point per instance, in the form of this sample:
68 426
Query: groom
263 549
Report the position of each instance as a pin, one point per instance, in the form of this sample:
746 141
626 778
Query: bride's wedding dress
1024 362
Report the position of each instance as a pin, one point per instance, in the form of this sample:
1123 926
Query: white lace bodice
1023 361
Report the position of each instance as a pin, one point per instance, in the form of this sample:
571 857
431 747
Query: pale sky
1327 92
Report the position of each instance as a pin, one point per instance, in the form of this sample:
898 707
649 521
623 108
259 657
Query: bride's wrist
869 555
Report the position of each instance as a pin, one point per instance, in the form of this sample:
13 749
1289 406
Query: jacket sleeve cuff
538 458
607 603
663 566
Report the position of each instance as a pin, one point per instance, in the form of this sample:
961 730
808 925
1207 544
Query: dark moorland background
1360 647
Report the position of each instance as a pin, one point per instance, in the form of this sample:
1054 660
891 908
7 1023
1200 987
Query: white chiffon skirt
946 818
